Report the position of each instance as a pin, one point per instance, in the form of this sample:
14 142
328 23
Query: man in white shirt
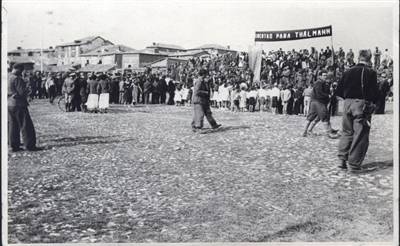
262 97
275 94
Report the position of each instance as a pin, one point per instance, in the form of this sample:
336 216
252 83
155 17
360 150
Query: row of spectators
231 79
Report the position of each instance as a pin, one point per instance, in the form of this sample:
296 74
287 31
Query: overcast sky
362 24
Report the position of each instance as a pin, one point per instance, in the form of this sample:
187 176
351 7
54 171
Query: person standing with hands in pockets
358 87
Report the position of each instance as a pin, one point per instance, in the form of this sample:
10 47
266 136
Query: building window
30 54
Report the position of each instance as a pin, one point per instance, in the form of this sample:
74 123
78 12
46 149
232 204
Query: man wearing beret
358 87
201 102
19 120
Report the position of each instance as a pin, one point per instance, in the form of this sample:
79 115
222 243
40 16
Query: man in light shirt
275 94
307 98
262 97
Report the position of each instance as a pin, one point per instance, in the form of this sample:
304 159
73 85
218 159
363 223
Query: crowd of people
284 86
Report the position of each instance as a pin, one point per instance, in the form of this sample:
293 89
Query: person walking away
358 87
201 102
93 98
19 120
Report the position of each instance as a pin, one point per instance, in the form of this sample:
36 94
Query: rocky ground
141 175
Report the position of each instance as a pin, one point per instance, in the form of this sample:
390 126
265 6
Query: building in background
140 58
46 57
70 53
160 48
165 63
108 54
214 49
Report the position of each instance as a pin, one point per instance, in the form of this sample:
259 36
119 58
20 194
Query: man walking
319 107
358 87
19 120
201 102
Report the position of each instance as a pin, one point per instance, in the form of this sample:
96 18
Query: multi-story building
70 53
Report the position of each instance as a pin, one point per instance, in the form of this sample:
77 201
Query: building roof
20 59
166 46
81 41
30 50
164 61
109 50
211 46
146 52
97 68
187 53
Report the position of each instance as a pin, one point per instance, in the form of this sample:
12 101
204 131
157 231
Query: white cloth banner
255 57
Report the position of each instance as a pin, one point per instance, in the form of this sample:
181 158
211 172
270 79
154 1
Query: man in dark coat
319 107
358 87
147 89
19 120
201 102
163 89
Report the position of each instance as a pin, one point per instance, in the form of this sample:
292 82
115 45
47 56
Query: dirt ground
141 175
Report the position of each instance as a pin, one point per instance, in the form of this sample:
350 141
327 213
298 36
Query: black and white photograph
200 122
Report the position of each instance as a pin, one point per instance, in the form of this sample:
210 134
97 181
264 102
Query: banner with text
270 36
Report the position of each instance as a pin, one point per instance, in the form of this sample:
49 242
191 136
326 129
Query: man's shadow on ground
83 140
222 129
378 165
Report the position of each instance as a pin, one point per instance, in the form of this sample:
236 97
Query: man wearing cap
19 120
358 87
201 102
69 92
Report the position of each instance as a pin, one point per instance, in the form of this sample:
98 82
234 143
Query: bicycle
61 102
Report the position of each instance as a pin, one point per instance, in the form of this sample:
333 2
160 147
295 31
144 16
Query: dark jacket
349 85
17 91
92 86
201 92
320 92
104 86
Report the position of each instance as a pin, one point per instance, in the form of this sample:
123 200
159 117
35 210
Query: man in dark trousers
201 102
358 87
163 89
19 120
